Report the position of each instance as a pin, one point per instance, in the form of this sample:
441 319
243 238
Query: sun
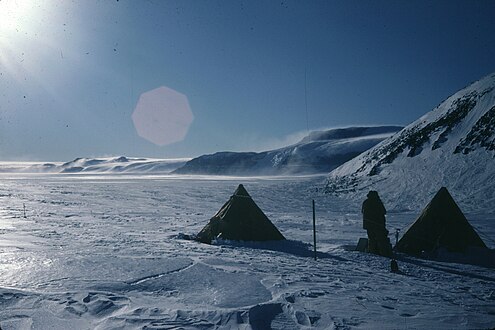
14 14
17 21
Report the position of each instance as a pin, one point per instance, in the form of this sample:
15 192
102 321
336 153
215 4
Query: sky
255 75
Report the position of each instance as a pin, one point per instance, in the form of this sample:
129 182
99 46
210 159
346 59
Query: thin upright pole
306 101
314 227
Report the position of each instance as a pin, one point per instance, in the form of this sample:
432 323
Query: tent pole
314 228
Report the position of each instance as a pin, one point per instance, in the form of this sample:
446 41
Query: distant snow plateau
97 165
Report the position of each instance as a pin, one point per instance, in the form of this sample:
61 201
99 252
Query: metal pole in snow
314 227
24 206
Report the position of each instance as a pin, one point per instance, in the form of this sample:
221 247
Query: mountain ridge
318 152
453 145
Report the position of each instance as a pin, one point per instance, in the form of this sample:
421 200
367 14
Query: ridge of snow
120 164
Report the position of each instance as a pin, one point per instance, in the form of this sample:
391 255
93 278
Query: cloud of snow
258 144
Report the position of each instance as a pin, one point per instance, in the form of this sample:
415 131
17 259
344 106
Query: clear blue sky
71 72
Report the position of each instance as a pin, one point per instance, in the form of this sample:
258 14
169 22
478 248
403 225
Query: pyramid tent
240 219
441 224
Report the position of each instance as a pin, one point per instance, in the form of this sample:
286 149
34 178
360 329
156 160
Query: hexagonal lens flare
162 116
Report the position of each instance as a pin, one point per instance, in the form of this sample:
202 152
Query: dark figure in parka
374 222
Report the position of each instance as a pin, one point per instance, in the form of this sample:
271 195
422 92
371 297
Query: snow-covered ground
105 251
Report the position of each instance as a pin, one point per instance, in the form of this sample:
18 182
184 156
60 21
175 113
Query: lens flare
162 116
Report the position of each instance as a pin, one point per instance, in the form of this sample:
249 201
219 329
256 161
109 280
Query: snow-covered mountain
319 152
98 165
451 146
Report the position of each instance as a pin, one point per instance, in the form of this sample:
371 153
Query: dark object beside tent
362 245
441 225
240 219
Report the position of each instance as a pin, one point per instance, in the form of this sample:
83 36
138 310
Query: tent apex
241 191
443 190
442 196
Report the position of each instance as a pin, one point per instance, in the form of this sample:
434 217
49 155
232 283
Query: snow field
105 252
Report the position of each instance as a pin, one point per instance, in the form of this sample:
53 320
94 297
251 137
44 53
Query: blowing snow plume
162 116
319 152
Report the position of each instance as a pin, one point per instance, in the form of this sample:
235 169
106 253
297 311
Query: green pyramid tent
240 219
441 224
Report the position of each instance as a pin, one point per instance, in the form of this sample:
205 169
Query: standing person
374 223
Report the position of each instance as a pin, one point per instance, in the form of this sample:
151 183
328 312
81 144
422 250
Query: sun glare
18 20
14 14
